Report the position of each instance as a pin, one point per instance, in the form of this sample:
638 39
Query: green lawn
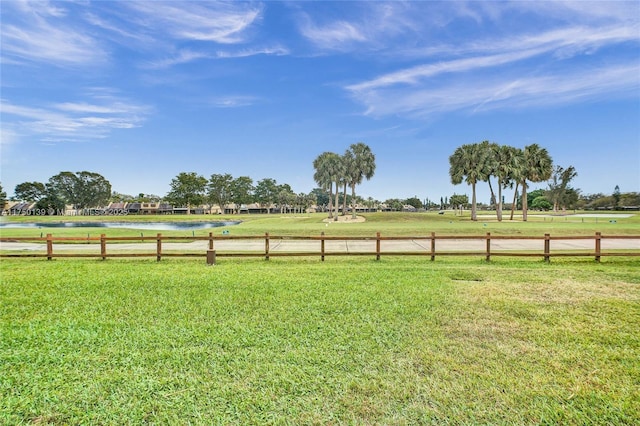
347 341
388 224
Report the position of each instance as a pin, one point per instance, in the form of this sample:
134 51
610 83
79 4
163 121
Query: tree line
192 189
500 165
342 171
509 167
81 190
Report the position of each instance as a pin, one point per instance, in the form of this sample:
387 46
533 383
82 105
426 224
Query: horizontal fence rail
213 246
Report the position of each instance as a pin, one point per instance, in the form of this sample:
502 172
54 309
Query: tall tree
349 169
310 200
326 167
506 168
50 202
266 192
630 199
458 200
517 174
340 178
241 191
360 163
414 201
219 190
536 167
320 198
616 197
467 163
489 166
95 189
187 189
29 191
286 197
81 189
559 189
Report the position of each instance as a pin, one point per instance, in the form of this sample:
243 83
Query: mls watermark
61 212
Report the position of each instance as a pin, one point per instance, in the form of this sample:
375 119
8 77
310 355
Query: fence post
598 245
547 247
322 246
211 253
266 246
488 258
433 246
103 247
159 247
49 247
377 245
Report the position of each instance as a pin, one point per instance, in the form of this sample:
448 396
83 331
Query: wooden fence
261 246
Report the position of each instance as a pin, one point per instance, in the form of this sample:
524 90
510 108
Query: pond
152 226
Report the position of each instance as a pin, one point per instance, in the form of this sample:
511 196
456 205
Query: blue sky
141 91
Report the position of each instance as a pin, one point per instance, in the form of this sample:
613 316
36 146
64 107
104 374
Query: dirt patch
345 219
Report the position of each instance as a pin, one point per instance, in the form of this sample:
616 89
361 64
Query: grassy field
388 224
348 341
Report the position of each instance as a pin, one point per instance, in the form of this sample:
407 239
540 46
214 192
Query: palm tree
489 166
559 185
361 163
349 168
324 166
339 170
517 174
506 167
466 163
537 167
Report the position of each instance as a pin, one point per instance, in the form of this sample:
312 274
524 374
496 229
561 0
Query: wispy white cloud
415 74
370 28
186 56
220 22
243 53
124 34
43 7
483 94
561 43
334 35
548 67
593 12
75 120
234 101
40 33
182 57
75 34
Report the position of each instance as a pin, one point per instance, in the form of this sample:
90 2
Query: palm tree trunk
344 202
353 201
331 201
499 204
337 203
515 200
474 216
493 194
524 201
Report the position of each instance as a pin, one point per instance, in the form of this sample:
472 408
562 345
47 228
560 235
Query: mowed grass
346 341
387 223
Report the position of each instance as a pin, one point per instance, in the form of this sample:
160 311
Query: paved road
276 246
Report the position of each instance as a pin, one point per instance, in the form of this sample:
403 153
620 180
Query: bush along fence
211 247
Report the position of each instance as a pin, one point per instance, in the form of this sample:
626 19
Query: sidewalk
349 246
